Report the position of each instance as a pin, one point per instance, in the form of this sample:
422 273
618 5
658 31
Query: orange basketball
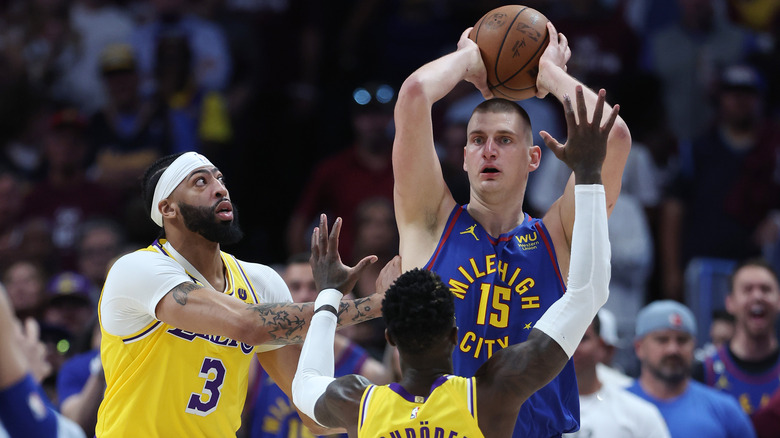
511 39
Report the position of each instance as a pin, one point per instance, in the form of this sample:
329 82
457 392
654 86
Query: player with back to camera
504 267
420 315
181 319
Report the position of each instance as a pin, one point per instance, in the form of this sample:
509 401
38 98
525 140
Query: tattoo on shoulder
181 292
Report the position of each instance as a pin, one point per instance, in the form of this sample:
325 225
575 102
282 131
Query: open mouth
224 210
492 170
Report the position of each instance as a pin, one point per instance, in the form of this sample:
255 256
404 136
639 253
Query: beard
203 220
672 369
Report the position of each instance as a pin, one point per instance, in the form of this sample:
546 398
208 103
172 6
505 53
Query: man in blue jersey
665 340
503 267
748 366
419 312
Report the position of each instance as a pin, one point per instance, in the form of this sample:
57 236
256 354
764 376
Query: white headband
172 177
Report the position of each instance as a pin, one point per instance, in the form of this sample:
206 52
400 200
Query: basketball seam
501 83
501 47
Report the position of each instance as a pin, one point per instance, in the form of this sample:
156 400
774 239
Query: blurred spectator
665 332
197 117
97 23
606 369
49 46
38 245
606 409
209 63
758 15
340 183
11 194
69 303
24 150
376 233
687 56
726 182
100 241
25 283
767 419
65 197
721 332
24 409
81 383
273 415
748 367
129 132
604 49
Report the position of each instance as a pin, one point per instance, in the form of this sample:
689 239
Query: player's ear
166 208
389 339
535 153
454 335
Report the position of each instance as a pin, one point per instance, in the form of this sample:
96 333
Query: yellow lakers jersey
166 382
449 411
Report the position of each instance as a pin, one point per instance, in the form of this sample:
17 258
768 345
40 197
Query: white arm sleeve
316 364
589 271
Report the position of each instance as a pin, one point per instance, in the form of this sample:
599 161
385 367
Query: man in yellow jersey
181 319
419 312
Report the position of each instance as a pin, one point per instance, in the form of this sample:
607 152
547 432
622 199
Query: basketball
511 39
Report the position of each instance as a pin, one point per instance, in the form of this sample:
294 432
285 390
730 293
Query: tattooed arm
203 310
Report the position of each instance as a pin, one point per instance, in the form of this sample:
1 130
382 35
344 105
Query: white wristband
331 297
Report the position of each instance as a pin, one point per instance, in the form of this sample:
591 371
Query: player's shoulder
140 257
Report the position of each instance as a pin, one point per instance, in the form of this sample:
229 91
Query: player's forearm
288 323
437 78
589 273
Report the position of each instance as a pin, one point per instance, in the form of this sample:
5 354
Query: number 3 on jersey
206 401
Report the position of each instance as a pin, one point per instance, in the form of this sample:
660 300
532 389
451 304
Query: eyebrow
500 132
199 171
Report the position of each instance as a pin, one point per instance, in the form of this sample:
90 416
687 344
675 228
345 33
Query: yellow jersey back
449 411
166 382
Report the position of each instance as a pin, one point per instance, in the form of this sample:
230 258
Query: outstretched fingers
333 239
611 121
582 109
598 111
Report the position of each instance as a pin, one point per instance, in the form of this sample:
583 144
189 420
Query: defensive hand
329 271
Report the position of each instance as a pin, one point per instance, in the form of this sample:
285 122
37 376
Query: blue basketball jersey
752 391
502 286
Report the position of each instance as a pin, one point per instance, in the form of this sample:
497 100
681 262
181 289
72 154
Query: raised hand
555 56
586 144
329 271
476 73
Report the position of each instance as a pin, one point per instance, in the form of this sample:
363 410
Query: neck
587 381
752 348
418 381
202 254
661 389
496 218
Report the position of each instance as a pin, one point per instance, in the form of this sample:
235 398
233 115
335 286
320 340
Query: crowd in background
293 101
